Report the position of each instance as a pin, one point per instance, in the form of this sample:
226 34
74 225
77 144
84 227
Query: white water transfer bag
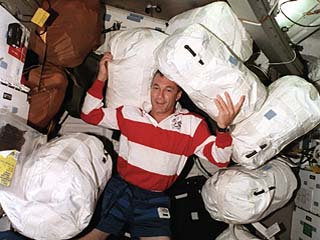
59 187
204 67
291 110
236 232
222 21
133 66
238 195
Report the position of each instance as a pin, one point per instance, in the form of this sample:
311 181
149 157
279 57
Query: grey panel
21 8
266 33
169 8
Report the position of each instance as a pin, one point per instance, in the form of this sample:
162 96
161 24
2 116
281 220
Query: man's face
164 94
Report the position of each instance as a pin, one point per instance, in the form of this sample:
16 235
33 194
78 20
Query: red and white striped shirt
152 154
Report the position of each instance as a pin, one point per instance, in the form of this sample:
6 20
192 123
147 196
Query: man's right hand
227 110
103 66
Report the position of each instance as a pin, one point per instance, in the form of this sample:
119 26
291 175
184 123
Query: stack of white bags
56 184
203 52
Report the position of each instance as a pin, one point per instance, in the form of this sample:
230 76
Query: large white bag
291 110
222 21
204 67
314 71
58 187
236 232
238 195
133 66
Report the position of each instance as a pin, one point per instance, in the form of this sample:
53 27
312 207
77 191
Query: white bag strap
269 232
224 43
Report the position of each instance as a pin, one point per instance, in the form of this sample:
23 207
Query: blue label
266 167
107 17
134 17
233 60
14 110
3 64
270 114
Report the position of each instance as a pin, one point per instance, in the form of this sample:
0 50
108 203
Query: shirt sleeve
217 149
93 111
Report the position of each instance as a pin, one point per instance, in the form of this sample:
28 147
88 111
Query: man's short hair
158 72
161 74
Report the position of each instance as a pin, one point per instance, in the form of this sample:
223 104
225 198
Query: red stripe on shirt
142 178
202 133
223 139
155 137
96 89
207 152
94 117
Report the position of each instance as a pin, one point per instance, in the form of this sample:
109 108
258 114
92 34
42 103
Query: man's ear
179 94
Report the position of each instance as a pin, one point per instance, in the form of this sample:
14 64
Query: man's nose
161 93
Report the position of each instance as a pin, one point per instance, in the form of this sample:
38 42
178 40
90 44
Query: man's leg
154 238
151 217
95 234
114 211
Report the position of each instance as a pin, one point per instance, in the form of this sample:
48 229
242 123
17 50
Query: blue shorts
10 235
144 213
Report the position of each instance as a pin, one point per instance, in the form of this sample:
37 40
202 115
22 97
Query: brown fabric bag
73 34
46 95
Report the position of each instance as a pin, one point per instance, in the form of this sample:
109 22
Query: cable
264 18
294 22
306 154
289 160
273 7
250 22
290 61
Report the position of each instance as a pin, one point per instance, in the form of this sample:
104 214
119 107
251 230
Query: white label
194 216
272 230
163 212
184 195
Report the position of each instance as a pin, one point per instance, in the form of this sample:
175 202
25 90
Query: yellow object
40 17
7 167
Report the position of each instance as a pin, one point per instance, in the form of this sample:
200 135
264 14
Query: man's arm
218 149
92 110
103 66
